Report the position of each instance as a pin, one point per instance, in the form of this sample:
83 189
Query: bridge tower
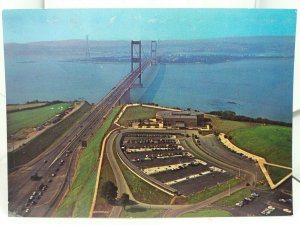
87 48
136 58
153 52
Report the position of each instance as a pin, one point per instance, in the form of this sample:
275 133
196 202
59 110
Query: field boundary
34 107
143 105
260 160
39 144
99 171
82 176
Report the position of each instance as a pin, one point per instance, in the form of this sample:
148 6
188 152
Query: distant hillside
202 51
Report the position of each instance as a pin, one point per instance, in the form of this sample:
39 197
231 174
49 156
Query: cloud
153 20
112 19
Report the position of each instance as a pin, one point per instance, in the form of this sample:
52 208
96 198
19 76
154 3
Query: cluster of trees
110 192
230 115
38 101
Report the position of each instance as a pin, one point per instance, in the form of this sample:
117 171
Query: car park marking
190 177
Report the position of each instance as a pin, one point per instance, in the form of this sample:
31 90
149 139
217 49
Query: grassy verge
19 107
33 117
274 143
200 196
106 175
207 213
136 113
139 212
141 190
277 173
36 146
230 201
226 126
77 202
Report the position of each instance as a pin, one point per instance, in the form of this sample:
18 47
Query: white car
282 200
239 204
27 210
287 211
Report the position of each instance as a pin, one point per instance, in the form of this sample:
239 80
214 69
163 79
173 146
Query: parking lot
160 155
278 202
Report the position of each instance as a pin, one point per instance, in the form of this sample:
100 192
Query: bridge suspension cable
145 56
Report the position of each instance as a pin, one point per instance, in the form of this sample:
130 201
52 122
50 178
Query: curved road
171 210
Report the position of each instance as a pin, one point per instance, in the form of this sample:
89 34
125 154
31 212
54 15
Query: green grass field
226 126
141 190
136 113
77 202
230 201
200 196
274 143
36 146
33 118
139 212
277 173
105 175
18 107
207 213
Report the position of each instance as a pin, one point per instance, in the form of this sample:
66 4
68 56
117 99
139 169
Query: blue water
256 88
51 80
251 87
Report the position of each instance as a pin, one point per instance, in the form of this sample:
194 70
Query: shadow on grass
117 203
131 202
135 209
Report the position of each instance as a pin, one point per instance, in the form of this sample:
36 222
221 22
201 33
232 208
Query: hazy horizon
25 26
162 40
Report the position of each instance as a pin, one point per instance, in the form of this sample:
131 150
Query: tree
109 191
124 200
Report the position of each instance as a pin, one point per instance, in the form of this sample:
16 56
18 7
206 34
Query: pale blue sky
24 26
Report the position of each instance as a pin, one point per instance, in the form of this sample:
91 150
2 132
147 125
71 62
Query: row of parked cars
247 200
267 211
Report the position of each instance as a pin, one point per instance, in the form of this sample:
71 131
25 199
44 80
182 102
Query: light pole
255 177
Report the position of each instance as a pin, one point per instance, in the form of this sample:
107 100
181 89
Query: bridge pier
153 52
136 58
125 98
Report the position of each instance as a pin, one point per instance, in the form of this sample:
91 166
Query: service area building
180 119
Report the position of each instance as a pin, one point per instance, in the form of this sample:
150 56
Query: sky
24 26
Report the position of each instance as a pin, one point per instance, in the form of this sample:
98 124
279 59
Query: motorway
176 210
66 148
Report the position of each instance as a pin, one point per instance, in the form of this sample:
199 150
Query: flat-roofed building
180 119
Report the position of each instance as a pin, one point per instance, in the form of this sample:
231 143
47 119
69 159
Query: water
256 88
51 80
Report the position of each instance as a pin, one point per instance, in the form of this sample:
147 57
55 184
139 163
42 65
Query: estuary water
56 80
257 87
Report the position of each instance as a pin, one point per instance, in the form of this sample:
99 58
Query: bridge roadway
21 186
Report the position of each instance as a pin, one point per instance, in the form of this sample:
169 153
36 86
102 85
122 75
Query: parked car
239 204
253 194
287 211
282 200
